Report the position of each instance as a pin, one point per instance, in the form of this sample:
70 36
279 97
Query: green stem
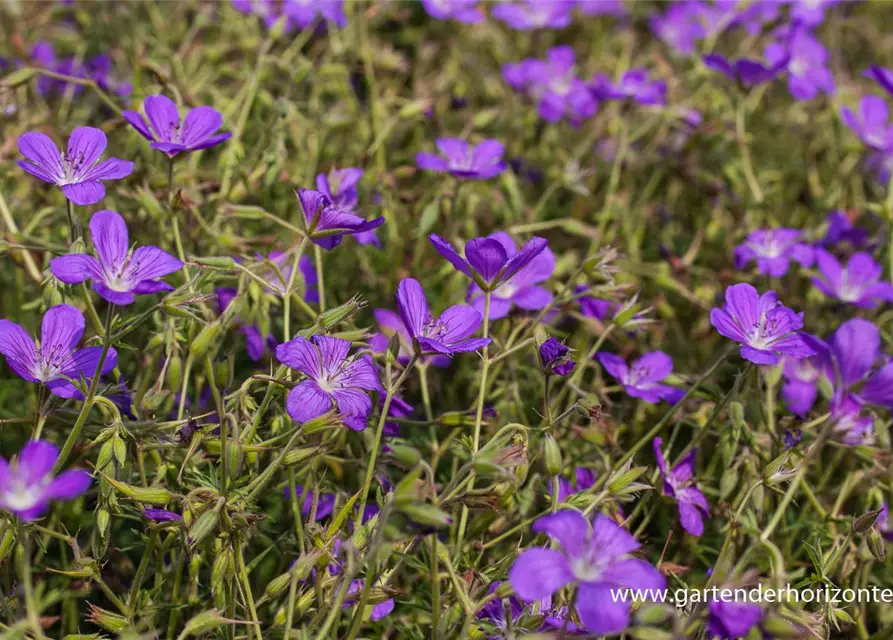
485 368
286 298
141 573
224 426
741 134
435 589
30 603
74 226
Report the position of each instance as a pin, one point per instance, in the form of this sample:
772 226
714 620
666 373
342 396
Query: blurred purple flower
340 186
448 334
168 135
553 84
160 515
765 328
487 262
334 378
810 13
744 71
596 557
298 14
858 283
882 524
633 85
327 223
78 171
882 76
680 27
615 8
679 484
496 612
466 11
583 479
871 123
461 160
554 357
522 289
807 62
841 229
325 505
642 378
732 619
27 486
534 14
850 426
802 377
56 357
855 348
379 610
773 250
118 274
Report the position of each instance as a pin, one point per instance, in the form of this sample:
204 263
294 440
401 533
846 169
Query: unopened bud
552 456
174 372
223 570
203 623
866 521
333 317
205 525
205 338
426 514
106 619
404 454
150 495
877 545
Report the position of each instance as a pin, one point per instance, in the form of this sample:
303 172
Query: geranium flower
166 133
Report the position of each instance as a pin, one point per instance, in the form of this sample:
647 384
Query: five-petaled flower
597 557
858 283
766 329
340 186
459 159
55 360
78 171
553 84
870 124
679 484
448 334
27 486
326 223
732 619
335 380
167 134
642 379
487 262
744 71
118 274
465 11
534 14
773 250
633 86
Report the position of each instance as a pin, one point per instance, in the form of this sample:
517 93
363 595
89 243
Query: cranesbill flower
553 84
481 162
807 62
325 505
850 426
326 223
679 484
502 611
773 250
340 186
167 134
870 124
27 486
680 27
841 229
614 8
732 619
78 171
765 327
855 348
118 274
583 479
642 378
56 357
305 12
522 289
554 357
161 515
802 377
858 283
810 13
390 324
534 14
448 334
487 262
335 380
633 85
597 558
379 610
882 76
466 11
744 71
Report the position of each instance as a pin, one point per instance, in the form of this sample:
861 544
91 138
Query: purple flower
465 11
802 377
553 84
882 524
448 334
254 339
494 612
680 27
871 123
28 486
807 62
850 426
597 557
554 357
765 327
55 357
164 130
744 71
882 76
773 250
679 484
379 610
333 379
390 324
633 85
855 348
614 8
305 12
327 223
810 13
460 160
642 378
583 479
78 171
160 515
118 273
325 505
522 288
487 261
535 14
732 619
340 186
858 284
841 229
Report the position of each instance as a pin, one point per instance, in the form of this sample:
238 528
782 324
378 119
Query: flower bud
404 454
234 457
223 570
151 495
426 514
877 545
205 525
205 338
153 399
333 317
277 585
552 456
203 623
866 521
174 372
222 374
106 619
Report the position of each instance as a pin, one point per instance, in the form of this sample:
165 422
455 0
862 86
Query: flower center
585 570
20 497
849 292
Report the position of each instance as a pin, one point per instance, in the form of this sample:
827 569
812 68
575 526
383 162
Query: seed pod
106 619
174 372
202 623
405 454
222 373
426 514
205 338
206 524
234 457
120 449
151 495
106 451
333 317
223 570
552 456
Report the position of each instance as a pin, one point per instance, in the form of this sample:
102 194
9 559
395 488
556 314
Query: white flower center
19 497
